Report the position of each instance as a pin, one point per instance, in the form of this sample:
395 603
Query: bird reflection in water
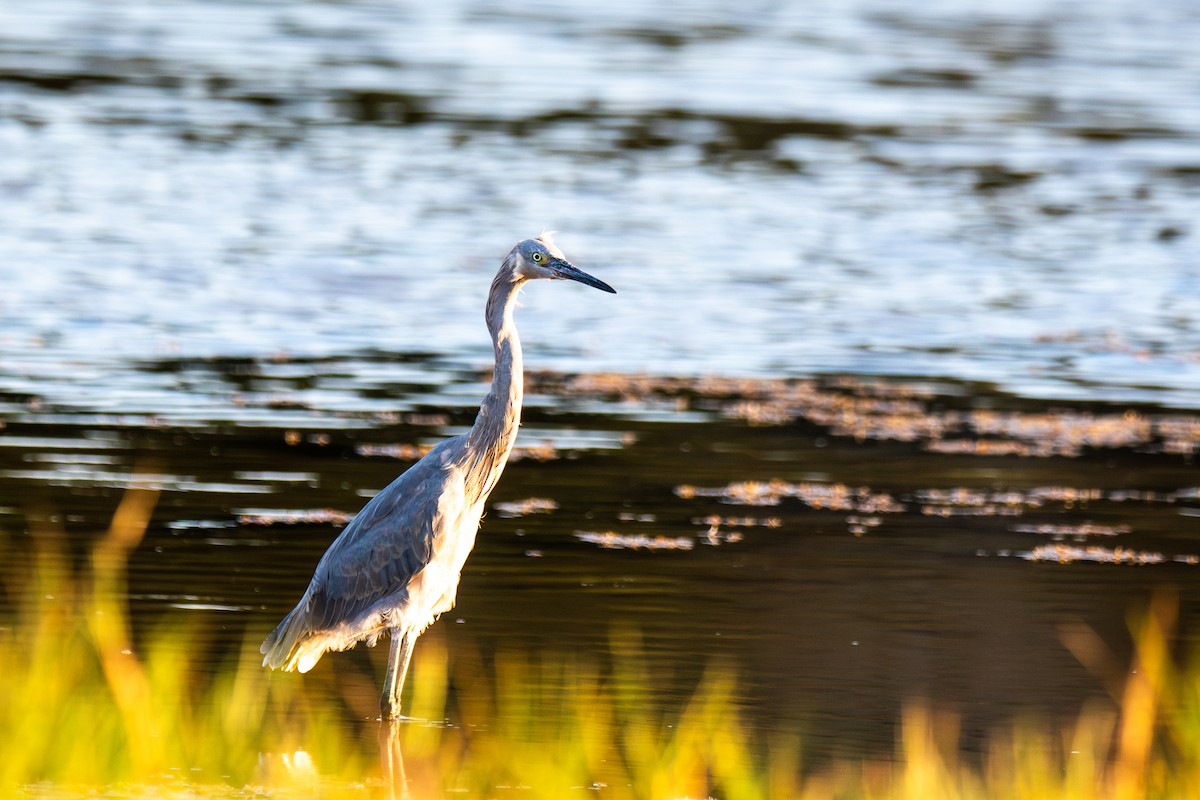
391 761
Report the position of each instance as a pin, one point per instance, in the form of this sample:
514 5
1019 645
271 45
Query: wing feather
366 570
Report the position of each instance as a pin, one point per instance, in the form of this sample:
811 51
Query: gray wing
373 559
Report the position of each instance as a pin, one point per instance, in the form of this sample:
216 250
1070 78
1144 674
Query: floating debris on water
611 540
870 508
876 409
983 447
986 510
268 476
523 508
207 607
1065 432
1066 554
963 502
1149 496
241 541
859 525
715 536
545 451
426 420
826 496
288 516
1069 495
199 524
966 497
1077 532
738 522
404 452
956 501
1034 497
413 452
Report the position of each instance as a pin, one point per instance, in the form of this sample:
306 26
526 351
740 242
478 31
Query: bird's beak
563 269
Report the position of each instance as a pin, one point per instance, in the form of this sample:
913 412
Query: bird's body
396 566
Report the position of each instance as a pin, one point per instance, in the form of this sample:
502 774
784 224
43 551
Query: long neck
495 429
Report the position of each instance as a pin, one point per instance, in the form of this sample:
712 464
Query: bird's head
534 259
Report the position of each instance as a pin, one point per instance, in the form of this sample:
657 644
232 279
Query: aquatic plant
86 710
82 705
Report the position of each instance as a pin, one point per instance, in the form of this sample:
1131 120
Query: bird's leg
393 682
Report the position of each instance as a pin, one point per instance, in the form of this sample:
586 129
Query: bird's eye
537 258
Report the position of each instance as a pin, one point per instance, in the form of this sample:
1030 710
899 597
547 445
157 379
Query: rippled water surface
245 246
960 190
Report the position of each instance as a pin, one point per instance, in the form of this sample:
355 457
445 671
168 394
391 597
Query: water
1004 195
872 558
243 244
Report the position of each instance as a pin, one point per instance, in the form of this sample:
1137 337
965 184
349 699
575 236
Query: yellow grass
85 710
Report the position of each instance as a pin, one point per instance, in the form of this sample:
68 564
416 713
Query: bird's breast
433 589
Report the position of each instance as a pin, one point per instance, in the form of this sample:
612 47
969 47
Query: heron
395 568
